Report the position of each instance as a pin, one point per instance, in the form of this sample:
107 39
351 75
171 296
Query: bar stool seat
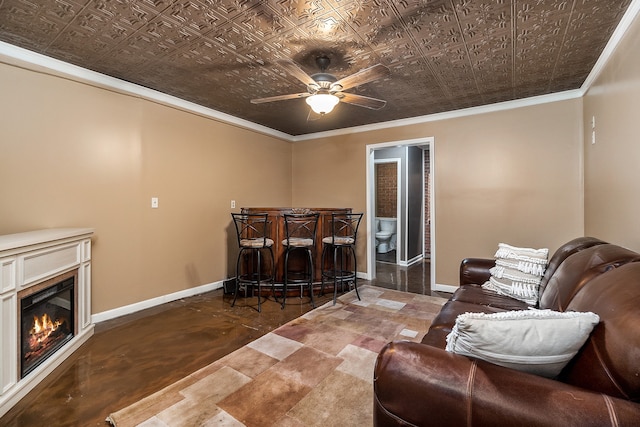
256 243
339 241
298 242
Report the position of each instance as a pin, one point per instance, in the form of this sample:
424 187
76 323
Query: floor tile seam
339 325
294 343
215 413
307 340
304 388
353 342
310 345
338 361
364 334
357 347
319 386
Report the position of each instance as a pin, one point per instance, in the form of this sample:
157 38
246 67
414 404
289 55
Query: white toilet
385 234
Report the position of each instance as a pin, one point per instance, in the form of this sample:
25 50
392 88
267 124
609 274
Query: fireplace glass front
47 323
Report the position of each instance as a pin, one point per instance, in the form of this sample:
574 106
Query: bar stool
300 232
251 230
341 246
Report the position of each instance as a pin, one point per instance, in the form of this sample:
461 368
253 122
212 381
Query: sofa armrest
416 384
475 270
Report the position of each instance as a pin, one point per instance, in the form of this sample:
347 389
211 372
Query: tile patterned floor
316 370
121 365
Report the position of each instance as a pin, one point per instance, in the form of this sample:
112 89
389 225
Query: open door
425 225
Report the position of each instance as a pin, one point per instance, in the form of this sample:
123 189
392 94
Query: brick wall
386 190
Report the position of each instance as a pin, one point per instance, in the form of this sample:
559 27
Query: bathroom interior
402 213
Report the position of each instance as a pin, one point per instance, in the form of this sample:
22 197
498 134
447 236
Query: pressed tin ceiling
443 55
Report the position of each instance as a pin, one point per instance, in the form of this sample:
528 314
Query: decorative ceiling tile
298 12
34 25
442 54
123 16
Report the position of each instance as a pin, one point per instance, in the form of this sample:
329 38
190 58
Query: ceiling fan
325 91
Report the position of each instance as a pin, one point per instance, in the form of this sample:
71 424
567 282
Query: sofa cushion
476 294
609 361
442 324
579 269
518 272
564 252
540 342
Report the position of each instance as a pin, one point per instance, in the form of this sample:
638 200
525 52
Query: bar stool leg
322 264
273 274
235 293
258 279
284 281
313 304
335 273
355 272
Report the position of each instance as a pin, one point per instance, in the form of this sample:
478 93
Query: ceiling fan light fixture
322 103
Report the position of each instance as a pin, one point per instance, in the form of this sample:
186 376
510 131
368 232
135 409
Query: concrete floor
133 356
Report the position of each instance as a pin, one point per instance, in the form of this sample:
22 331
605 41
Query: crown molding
482 109
630 15
33 61
23 58
623 26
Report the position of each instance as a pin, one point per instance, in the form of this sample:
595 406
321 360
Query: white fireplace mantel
26 260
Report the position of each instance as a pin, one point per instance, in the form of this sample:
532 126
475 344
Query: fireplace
46 319
45 305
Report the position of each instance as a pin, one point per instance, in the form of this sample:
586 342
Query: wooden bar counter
277 232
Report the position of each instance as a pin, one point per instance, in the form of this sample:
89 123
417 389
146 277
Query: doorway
388 188
415 240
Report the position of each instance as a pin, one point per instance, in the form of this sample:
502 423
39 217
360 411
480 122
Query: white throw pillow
534 256
518 272
500 272
526 292
525 267
540 342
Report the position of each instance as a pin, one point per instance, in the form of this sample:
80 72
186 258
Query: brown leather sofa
421 384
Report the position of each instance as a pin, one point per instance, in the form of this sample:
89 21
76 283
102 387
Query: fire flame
42 328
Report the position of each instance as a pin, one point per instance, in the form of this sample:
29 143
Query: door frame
370 200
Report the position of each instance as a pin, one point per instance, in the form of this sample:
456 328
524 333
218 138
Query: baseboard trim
444 288
412 261
132 308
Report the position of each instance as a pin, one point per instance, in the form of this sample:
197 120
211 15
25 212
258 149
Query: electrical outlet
233 204
154 202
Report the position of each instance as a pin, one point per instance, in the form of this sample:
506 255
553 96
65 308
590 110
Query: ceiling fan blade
362 101
280 97
361 77
297 72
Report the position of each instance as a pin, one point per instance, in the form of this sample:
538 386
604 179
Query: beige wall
73 155
512 176
76 155
612 164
